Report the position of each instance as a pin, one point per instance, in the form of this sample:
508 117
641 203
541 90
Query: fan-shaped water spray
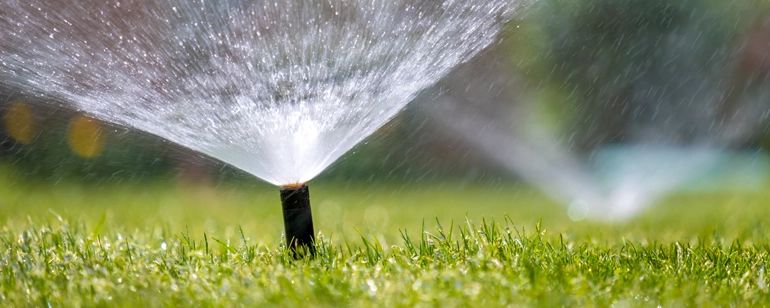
278 89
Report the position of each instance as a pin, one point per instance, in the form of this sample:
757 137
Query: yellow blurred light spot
19 122
85 137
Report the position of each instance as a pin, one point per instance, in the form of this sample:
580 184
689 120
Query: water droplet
577 210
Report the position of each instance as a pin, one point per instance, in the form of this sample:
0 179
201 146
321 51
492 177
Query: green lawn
442 244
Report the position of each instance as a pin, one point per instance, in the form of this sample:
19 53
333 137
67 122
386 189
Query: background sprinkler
298 220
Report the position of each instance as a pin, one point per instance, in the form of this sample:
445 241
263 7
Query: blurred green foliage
127 156
590 62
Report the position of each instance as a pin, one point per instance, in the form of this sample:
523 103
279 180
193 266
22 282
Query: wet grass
448 244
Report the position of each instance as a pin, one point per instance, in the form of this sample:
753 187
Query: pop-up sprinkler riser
298 219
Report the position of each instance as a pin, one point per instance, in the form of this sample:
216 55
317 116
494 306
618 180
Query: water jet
280 90
627 132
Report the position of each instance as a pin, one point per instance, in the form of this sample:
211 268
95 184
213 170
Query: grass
440 244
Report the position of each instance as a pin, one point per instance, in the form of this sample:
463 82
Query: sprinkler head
298 220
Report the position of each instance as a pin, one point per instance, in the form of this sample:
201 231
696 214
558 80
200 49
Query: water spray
152 66
298 220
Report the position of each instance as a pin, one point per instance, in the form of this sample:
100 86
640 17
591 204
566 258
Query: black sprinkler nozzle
298 220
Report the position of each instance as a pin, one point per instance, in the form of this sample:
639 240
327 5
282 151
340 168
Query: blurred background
587 109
